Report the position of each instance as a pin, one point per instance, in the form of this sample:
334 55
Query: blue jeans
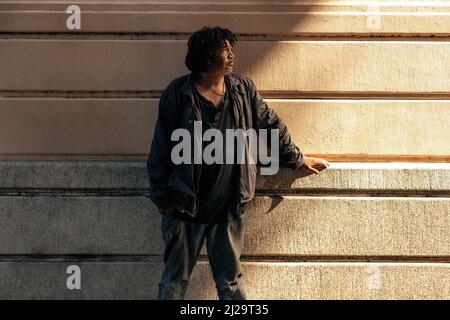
183 242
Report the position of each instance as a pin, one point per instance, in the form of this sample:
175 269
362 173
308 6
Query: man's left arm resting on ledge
290 154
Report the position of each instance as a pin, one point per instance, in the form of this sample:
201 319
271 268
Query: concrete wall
367 91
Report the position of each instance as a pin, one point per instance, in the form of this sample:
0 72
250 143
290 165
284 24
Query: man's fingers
313 170
321 164
324 163
317 162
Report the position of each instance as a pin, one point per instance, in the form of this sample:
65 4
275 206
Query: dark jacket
177 185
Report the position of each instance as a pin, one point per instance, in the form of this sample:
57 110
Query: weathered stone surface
96 214
288 225
263 280
381 67
83 225
132 175
254 17
349 226
86 175
355 177
123 128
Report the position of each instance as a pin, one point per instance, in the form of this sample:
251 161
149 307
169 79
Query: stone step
321 67
96 207
124 127
363 177
277 226
254 17
86 176
263 280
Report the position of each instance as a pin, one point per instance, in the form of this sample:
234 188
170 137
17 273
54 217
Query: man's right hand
311 162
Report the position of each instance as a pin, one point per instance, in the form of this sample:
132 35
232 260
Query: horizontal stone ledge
125 127
81 175
141 95
119 258
243 18
132 175
347 226
324 66
357 177
233 5
277 226
100 280
143 157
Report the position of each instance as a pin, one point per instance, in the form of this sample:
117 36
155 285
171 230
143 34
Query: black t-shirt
218 186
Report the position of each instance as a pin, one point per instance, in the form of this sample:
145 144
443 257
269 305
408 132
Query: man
200 200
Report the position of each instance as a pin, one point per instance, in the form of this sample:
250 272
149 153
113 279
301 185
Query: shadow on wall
281 183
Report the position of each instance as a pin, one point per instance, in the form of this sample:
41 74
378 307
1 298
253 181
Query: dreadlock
203 46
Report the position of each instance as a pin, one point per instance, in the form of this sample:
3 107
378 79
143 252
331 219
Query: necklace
221 95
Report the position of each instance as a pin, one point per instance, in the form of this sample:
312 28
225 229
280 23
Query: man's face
225 59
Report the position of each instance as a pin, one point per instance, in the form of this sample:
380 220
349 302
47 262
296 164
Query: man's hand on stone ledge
311 162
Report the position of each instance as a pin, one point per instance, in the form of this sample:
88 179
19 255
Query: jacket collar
187 86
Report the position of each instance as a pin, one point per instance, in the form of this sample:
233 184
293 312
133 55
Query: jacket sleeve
159 164
267 118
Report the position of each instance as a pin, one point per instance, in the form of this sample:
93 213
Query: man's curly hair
203 46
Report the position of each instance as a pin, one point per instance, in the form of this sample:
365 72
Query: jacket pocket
170 227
